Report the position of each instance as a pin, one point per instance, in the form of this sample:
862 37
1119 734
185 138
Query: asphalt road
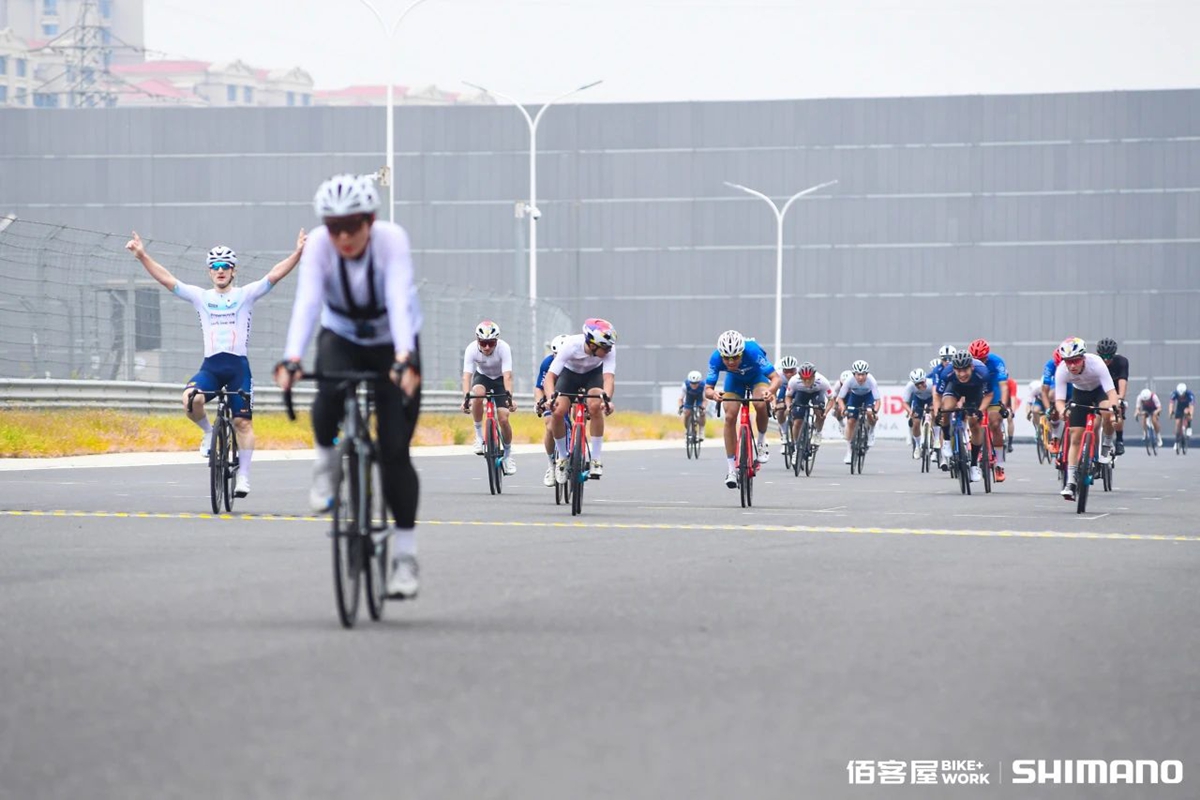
668 644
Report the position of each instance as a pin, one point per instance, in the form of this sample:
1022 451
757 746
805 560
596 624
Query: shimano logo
1095 771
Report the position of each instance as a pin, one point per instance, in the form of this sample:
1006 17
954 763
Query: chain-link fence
77 305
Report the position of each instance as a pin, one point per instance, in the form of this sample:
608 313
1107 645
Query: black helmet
962 359
1106 348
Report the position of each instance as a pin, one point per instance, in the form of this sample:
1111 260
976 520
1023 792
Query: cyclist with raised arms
225 311
998 410
858 394
969 388
1118 368
808 387
543 410
356 275
1149 406
691 401
586 362
747 369
916 398
487 367
1093 386
1183 404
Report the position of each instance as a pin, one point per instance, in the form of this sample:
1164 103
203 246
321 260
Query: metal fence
78 306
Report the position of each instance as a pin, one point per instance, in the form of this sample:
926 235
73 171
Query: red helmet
1057 357
980 349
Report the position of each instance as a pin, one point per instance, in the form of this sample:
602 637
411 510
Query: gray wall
1022 219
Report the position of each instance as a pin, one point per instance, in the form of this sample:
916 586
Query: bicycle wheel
964 464
497 457
1040 444
800 452
231 464
577 475
1083 474
987 460
743 467
216 468
489 456
376 555
347 543
785 442
1106 476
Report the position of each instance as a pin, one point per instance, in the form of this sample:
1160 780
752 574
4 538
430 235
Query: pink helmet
599 332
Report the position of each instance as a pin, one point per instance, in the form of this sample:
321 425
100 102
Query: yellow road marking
637 526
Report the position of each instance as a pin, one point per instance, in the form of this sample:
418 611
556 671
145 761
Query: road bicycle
692 440
359 529
858 446
960 447
1041 437
579 454
493 441
223 449
805 452
745 456
1091 465
786 443
927 446
1182 434
1149 436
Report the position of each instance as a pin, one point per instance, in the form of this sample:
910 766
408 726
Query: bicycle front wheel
987 460
745 455
576 476
347 542
216 468
231 464
374 542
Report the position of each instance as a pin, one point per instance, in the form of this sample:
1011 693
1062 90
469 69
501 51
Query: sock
946 432
404 542
507 449
1000 455
479 431
732 463
203 424
597 446
1070 474
1121 436
975 450
560 447
244 457
762 439
326 455
550 457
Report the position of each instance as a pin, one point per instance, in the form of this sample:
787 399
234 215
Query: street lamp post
531 209
389 32
779 212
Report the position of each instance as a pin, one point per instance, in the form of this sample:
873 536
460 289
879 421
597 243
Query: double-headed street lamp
389 31
779 212
531 209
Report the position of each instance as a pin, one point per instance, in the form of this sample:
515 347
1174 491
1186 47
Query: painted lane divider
637 526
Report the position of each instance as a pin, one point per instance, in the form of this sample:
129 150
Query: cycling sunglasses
339 225
1073 361
487 342
216 265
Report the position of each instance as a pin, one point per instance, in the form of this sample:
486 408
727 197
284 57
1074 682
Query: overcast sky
654 50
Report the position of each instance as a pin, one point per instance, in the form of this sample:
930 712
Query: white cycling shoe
510 466
976 474
325 478
548 479
479 448
403 583
241 487
206 443
731 479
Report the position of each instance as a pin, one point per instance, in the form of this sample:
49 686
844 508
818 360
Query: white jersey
911 391
1094 375
1035 392
573 355
224 316
490 366
395 317
820 384
852 386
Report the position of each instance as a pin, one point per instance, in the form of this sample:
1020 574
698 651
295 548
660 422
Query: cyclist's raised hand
135 246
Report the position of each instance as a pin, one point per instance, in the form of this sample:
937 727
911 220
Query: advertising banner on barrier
892 424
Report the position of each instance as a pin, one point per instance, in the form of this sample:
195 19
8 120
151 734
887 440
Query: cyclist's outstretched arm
156 270
281 270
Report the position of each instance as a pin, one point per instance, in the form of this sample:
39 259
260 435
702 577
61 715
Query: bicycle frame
492 437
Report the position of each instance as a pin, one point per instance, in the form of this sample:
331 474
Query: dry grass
42 433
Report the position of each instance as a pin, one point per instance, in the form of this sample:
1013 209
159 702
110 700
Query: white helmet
847 375
1072 348
860 367
1181 388
557 343
731 344
1144 395
1035 387
917 375
694 376
789 362
345 195
222 253
487 330
934 363
947 351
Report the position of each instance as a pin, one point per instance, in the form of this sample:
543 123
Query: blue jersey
975 387
693 392
939 375
1048 373
1183 400
999 373
541 376
754 367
